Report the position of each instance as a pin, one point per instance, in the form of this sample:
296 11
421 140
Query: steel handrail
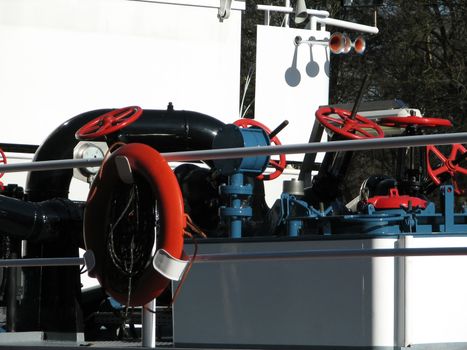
260 256
226 153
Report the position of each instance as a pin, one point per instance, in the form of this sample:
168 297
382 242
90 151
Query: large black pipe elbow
164 130
172 131
43 185
40 221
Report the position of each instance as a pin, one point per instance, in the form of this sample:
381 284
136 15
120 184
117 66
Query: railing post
149 325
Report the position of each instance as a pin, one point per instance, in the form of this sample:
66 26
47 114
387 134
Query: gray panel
299 302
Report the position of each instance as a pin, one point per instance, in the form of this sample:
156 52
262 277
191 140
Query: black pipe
11 296
171 131
18 148
39 221
51 295
164 130
45 185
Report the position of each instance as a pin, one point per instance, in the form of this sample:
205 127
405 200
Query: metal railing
226 153
317 17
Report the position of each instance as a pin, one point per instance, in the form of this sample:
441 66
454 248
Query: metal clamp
224 10
169 266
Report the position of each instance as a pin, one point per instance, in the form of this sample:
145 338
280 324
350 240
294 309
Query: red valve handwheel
338 120
278 165
412 120
448 164
108 123
2 160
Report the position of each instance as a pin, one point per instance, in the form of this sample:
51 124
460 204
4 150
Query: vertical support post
313 24
293 227
287 16
236 203
11 296
309 158
235 213
448 207
400 289
149 325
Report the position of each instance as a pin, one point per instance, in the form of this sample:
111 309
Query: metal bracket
124 169
90 261
168 266
311 41
224 10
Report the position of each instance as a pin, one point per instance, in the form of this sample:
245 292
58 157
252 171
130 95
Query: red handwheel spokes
449 164
403 122
280 164
2 160
109 122
339 121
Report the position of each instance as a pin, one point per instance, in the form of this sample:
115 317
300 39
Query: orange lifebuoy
126 223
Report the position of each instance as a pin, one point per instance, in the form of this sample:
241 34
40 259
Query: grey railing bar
50 165
37 262
330 253
226 153
274 255
334 146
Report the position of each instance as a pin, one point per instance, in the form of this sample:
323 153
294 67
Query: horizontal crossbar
330 253
229 153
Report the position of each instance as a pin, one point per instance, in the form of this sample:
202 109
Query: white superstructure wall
292 81
60 58
64 57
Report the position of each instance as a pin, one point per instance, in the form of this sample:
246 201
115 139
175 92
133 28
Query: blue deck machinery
379 209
